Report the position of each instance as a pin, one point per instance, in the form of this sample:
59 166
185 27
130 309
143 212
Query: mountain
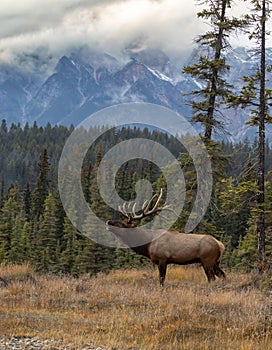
86 81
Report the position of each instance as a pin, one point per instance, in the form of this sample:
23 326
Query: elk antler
146 210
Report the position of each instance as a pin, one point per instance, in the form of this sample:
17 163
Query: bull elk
167 247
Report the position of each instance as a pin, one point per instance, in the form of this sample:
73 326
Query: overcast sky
108 25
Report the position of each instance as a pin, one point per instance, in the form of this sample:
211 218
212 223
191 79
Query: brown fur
173 247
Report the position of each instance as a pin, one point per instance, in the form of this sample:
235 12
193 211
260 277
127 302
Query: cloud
26 16
108 25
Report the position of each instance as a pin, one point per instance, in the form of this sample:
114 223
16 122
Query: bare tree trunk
262 111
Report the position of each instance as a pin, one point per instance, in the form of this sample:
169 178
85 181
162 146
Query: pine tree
211 67
16 252
27 202
95 257
85 260
256 95
70 248
2 185
4 130
48 240
42 186
27 242
245 256
86 181
11 221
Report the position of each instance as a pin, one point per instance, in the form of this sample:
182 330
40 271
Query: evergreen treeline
33 224
35 228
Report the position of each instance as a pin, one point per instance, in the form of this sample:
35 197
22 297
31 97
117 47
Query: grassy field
128 309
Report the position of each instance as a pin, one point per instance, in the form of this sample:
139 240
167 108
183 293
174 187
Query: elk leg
218 271
209 273
162 270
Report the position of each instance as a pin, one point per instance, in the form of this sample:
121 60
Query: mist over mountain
85 81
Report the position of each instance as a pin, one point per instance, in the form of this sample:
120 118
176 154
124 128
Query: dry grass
128 310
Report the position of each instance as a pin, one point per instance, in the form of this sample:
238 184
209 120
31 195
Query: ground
129 310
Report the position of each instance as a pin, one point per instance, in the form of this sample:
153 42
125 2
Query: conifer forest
35 229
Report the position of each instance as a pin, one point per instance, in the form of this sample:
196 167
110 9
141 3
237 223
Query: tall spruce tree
211 65
17 249
48 235
261 34
27 202
70 248
256 95
2 184
42 186
11 222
